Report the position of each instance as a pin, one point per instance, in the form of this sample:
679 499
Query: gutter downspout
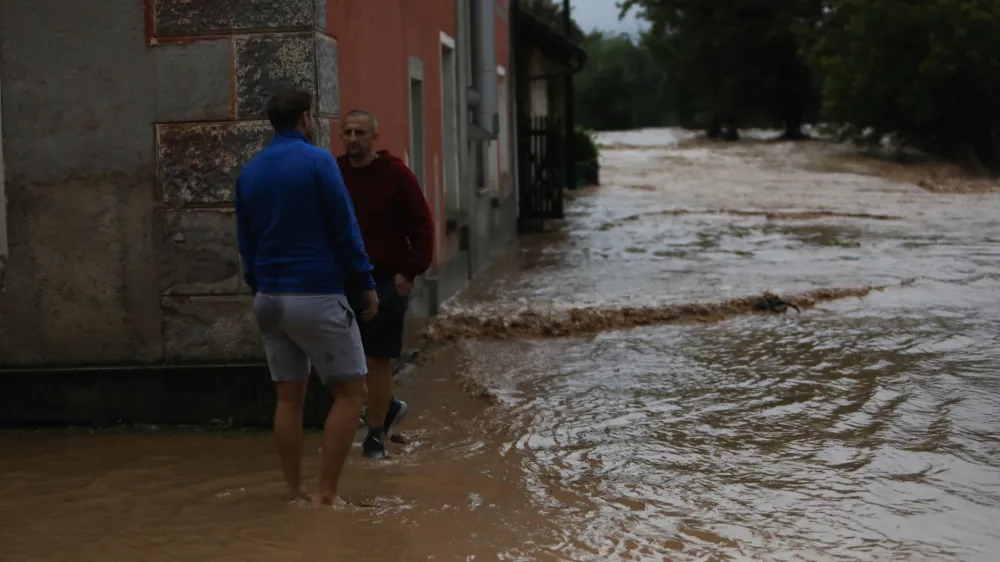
482 44
464 53
512 95
485 66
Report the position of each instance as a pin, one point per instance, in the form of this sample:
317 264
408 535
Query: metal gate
541 164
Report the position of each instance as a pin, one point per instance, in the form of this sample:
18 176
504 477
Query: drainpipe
482 99
485 65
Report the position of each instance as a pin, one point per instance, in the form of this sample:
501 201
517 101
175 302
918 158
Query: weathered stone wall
124 130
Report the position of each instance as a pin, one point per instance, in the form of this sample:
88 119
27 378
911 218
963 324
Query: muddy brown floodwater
644 407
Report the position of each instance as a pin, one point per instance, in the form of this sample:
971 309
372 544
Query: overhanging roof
555 46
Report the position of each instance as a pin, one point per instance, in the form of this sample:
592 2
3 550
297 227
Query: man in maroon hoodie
398 232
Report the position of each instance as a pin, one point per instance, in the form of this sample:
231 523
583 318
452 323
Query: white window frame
451 198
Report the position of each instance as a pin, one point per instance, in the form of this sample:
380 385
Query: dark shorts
382 337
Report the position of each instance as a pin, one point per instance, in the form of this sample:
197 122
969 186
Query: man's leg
288 433
290 373
325 327
379 391
383 341
338 434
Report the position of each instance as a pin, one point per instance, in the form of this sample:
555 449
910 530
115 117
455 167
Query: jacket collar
285 136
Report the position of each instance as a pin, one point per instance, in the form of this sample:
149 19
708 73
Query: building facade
125 123
413 66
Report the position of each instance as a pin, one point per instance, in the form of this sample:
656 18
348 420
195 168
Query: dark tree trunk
792 108
793 132
794 89
714 130
986 150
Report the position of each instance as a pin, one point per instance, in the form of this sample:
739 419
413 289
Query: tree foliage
621 86
926 72
735 62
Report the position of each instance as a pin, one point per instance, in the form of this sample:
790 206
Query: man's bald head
359 131
364 114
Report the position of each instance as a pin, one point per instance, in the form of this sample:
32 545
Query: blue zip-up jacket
295 221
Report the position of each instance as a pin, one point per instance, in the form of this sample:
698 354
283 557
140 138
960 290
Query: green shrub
584 146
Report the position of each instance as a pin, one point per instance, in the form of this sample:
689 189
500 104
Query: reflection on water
864 429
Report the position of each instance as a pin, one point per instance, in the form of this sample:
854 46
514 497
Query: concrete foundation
233 395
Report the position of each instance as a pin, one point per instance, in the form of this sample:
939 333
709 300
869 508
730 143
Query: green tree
734 62
621 86
926 72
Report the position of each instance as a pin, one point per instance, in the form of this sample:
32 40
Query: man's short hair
285 108
364 113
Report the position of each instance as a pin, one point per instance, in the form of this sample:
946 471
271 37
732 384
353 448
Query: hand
371 305
403 286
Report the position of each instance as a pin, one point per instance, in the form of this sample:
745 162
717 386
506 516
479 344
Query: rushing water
863 429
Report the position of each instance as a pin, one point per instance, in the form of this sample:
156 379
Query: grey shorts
301 329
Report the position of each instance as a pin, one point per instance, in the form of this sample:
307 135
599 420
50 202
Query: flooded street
863 428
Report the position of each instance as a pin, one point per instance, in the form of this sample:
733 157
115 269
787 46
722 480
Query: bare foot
320 500
299 499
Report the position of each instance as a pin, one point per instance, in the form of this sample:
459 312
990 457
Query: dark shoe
395 416
373 447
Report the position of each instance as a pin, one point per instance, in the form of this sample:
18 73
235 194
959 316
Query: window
417 160
450 114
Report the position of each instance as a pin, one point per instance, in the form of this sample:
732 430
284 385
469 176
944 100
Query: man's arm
246 240
345 236
418 224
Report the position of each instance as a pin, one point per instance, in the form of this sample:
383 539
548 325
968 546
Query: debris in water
774 303
532 323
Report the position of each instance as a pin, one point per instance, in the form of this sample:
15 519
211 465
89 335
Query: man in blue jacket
299 241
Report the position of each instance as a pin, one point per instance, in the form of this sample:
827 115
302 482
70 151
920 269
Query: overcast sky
603 14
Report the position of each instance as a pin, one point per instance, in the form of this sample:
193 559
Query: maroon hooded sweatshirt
395 221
